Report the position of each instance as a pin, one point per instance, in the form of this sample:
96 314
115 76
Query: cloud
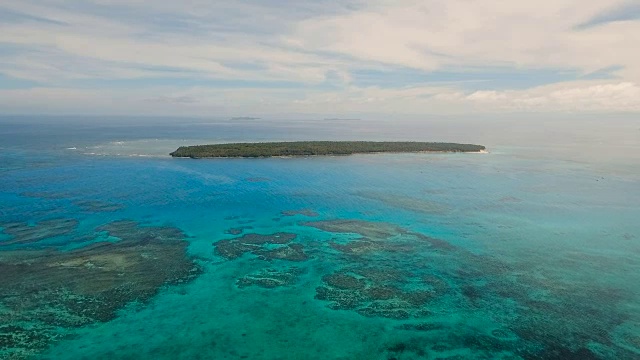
429 35
581 96
627 11
573 97
319 56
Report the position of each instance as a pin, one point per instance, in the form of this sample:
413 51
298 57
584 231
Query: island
310 148
341 119
239 118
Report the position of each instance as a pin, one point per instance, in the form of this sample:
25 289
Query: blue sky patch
188 82
627 12
10 16
8 82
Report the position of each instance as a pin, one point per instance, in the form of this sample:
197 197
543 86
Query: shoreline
319 148
329 155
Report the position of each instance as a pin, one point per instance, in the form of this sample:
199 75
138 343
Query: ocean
111 249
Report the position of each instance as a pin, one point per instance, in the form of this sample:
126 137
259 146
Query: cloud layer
319 57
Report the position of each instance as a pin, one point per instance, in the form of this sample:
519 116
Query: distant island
240 118
310 148
341 119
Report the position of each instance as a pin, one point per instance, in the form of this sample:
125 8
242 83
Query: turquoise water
529 252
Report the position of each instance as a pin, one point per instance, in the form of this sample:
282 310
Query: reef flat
310 148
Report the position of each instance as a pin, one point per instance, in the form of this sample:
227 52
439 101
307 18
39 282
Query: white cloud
431 34
600 97
116 44
314 43
566 97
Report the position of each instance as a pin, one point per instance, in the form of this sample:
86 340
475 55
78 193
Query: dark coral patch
237 230
231 249
291 252
562 353
390 313
417 298
366 246
131 233
381 274
633 340
23 234
97 206
303 212
382 292
370 229
66 289
341 299
503 334
270 278
421 327
436 244
19 342
379 237
372 296
344 281
438 286
259 239
267 247
357 247
233 231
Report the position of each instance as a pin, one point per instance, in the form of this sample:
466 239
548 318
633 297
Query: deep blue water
529 252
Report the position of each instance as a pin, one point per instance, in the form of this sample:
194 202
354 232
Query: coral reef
383 292
344 281
97 206
381 274
421 327
384 310
341 299
43 291
368 229
348 290
390 288
291 252
303 212
267 247
231 249
271 278
398 274
237 230
259 239
357 247
23 233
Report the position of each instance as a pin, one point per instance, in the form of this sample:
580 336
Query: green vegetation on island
309 148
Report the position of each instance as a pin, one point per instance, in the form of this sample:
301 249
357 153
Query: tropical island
311 148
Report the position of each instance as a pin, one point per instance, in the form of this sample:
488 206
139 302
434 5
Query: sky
321 57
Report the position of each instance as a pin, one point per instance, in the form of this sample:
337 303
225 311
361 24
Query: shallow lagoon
512 254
